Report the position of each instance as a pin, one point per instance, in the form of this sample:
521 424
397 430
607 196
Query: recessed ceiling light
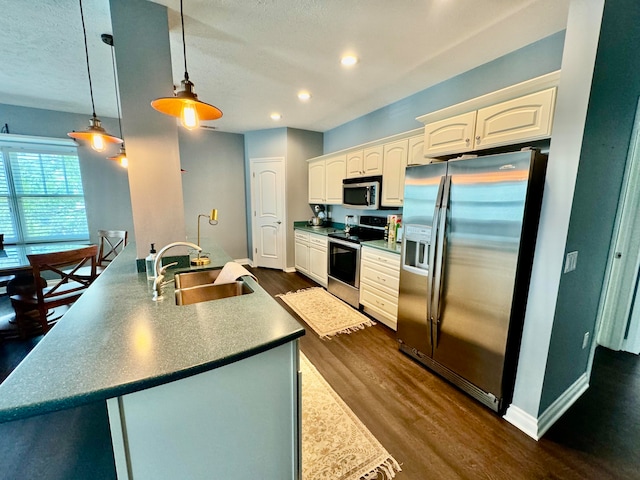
276 116
349 60
304 95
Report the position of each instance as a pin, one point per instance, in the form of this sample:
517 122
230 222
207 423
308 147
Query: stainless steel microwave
362 193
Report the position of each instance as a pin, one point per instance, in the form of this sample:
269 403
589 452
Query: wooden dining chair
111 243
56 284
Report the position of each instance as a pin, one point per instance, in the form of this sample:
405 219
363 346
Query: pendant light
95 134
121 157
185 104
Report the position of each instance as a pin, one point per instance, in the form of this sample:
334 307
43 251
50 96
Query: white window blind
41 196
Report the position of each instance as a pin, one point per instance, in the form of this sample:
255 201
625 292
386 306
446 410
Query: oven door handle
344 243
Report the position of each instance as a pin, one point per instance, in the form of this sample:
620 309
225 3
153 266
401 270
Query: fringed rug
324 313
335 443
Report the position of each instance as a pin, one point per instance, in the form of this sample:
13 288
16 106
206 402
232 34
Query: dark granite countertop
115 340
321 230
384 245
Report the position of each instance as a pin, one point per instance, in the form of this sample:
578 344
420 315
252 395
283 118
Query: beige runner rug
335 443
324 313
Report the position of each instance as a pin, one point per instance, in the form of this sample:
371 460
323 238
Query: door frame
618 320
283 230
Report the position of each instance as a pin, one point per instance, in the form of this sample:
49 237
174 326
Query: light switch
571 262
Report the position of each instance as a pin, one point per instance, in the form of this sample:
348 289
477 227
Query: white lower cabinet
311 255
302 251
379 283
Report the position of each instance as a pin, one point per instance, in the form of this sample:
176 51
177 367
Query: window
41 196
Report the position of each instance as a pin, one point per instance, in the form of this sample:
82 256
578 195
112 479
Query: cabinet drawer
391 260
380 276
318 241
379 300
302 236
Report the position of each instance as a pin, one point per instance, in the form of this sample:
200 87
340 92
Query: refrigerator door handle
432 251
438 273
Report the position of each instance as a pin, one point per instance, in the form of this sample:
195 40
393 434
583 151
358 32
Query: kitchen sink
208 292
193 279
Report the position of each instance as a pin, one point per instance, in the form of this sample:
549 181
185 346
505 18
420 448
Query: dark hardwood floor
433 429
436 431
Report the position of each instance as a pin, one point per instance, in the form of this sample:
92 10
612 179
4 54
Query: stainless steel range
344 257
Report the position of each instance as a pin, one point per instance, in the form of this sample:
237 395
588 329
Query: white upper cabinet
335 172
525 118
355 162
395 163
372 161
317 181
450 135
325 179
415 155
522 119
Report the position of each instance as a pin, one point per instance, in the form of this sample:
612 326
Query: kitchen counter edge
115 340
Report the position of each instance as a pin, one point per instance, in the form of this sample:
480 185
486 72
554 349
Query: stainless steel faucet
159 282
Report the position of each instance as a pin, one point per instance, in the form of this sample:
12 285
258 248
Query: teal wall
105 183
528 62
610 117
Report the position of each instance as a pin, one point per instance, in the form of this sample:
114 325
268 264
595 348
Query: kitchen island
191 390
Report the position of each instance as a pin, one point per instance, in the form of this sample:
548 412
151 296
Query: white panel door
268 222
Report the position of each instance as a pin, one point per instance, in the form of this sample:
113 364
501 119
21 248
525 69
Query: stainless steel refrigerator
469 237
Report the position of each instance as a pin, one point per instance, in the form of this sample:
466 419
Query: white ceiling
251 57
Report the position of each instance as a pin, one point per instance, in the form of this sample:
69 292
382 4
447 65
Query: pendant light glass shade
95 134
185 104
121 157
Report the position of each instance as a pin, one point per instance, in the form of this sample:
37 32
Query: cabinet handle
381 279
478 139
467 141
380 303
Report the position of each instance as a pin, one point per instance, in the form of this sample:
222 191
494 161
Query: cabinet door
302 256
318 264
317 181
355 164
395 163
372 160
515 121
416 151
335 170
451 135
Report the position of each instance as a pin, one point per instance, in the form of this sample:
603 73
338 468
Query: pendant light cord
184 44
86 52
115 84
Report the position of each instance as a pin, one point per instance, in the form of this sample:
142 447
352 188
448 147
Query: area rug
335 443
324 313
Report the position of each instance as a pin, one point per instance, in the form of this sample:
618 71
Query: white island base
237 421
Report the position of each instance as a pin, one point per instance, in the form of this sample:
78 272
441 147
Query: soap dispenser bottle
150 262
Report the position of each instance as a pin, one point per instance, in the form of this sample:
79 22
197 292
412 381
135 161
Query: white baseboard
522 420
244 261
562 404
289 270
537 427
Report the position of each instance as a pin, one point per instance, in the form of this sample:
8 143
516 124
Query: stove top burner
359 234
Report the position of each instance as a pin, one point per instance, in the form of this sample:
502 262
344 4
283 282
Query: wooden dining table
15 263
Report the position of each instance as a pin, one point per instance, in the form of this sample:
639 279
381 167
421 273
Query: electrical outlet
571 262
585 340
